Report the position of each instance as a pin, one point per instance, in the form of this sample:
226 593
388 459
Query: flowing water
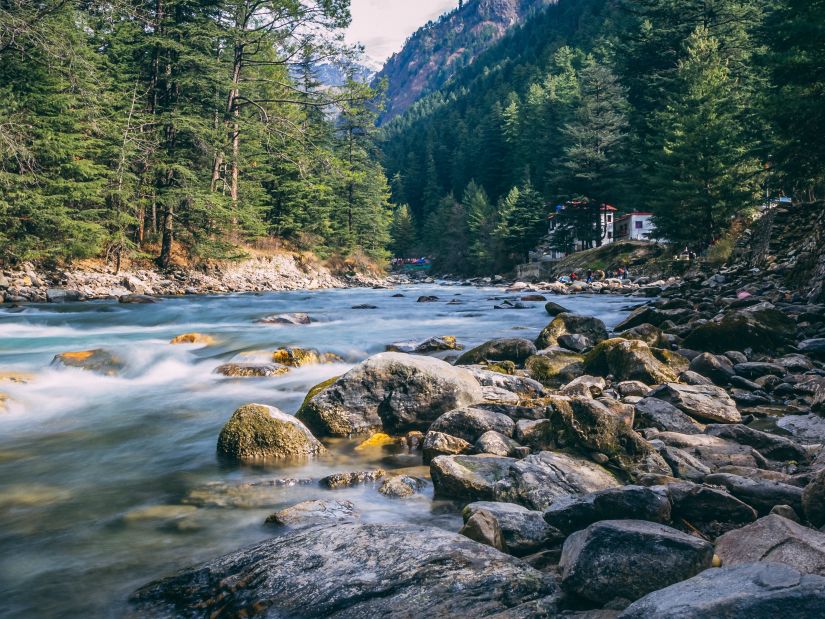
109 482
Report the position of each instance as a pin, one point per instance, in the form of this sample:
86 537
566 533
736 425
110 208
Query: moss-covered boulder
98 361
763 330
257 432
647 333
572 324
555 366
634 360
516 350
299 357
251 370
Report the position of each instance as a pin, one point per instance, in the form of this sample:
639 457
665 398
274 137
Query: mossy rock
634 360
647 333
194 338
764 330
256 433
516 350
503 367
572 324
315 391
252 370
555 367
98 361
299 357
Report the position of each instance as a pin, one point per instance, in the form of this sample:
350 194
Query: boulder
575 342
554 309
468 477
441 444
769 445
777 540
470 423
647 333
813 499
136 299
299 357
257 432
683 464
536 433
287 319
573 324
717 368
401 486
313 512
517 350
98 361
712 451
337 481
762 330
393 392
585 386
629 558
761 494
540 479
754 591
521 386
497 444
574 513
483 528
555 367
632 389
661 415
634 360
251 370
320 572
523 531
813 348
711 510
703 402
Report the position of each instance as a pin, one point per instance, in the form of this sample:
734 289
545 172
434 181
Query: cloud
382 26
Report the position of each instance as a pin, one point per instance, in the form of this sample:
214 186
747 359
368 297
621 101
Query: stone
540 479
61 295
483 528
441 444
585 386
364 306
775 539
629 558
684 465
634 360
655 413
523 531
813 348
771 446
351 479
763 495
813 499
711 510
690 377
754 369
632 388
390 392
536 433
753 591
251 370
194 338
574 513
287 319
470 423
521 386
320 572
427 299
555 367
712 451
136 299
554 309
257 432
98 361
497 444
765 330
575 342
573 324
702 402
647 333
300 357
401 486
517 350
717 368
468 477
313 512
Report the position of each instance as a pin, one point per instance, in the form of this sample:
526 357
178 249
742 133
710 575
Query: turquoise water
109 482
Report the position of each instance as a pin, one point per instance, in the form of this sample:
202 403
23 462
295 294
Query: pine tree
481 222
525 222
402 232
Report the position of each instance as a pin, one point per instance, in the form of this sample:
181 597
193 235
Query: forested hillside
441 49
165 128
694 110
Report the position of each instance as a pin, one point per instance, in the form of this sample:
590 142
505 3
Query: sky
382 26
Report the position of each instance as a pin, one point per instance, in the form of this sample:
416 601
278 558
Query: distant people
626 274
590 277
573 276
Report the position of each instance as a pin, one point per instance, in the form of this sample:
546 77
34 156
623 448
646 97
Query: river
109 482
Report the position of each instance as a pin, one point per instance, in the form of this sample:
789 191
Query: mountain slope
441 49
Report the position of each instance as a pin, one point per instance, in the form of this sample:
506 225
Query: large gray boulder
769 445
712 451
470 423
762 330
257 432
523 531
661 415
468 477
514 349
322 572
711 510
703 402
761 494
572 324
574 513
775 539
629 558
754 591
313 512
634 360
540 479
393 392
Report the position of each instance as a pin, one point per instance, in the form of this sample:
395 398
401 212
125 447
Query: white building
634 227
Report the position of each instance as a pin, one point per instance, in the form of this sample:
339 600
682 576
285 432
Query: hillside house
636 226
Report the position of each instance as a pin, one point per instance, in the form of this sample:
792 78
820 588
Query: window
640 225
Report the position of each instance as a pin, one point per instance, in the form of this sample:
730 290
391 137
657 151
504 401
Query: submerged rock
98 361
287 319
194 338
251 370
320 572
299 357
313 512
393 392
256 432
350 479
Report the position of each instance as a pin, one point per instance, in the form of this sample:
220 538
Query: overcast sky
383 25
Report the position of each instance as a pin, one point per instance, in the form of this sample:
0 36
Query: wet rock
769 445
352 479
393 392
540 479
634 360
573 324
256 432
441 444
98 361
468 477
813 499
555 367
287 319
251 370
401 486
554 309
470 423
194 338
762 495
517 350
655 413
364 306
136 299
319 572
523 531
777 540
313 512
300 357
717 368
427 299
574 513
712 451
755 591
575 342
711 510
703 402
629 559
766 330
497 444
61 295
251 495
521 386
